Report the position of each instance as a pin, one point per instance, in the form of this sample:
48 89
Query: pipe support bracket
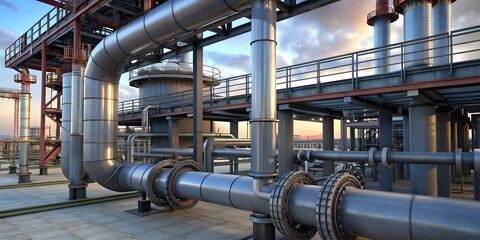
371 156
385 152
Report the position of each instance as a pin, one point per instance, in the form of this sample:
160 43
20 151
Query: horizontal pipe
392 157
179 151
210 143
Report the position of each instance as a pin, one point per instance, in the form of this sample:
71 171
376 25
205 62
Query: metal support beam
476 174
406 146
42 160
173 134
234 128
352 139
285 142
423 139
385 173
368 104
328 144
198 101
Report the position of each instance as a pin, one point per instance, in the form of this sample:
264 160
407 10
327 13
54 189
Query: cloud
240 62
125 92
7 37
9 5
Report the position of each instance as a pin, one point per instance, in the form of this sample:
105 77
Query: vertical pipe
173 134
443 145
198 101
264 95
328 144
385 174
454 134
43 168
343 135
441 23
423 139
77 188
285 141
66 126
23 170
352 139
264 107
381 38
16 118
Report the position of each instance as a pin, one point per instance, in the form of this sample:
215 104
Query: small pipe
145 119
179 151
211 142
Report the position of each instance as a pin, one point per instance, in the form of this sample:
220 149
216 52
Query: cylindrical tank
66 115
417 23
380 19
441 23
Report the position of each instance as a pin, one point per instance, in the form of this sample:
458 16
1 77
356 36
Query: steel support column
423 139
173 134
328 144
42 160
443 145
343 135
352 139
406 146
285 141
476 175
198 101
234 128
385 173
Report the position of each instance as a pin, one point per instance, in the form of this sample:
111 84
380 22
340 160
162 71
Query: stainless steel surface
264 94
285 142
417 23
423 139
66 116
76 128
23 164
441 24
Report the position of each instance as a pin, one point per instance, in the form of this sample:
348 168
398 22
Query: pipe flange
174 201
279 206
371 156
355 171
476 160
154 198
329 200
458 162
385 152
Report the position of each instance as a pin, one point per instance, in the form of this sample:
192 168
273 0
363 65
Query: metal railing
463 45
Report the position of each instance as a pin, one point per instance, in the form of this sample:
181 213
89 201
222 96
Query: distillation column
23 170
441 24
380 19
417 24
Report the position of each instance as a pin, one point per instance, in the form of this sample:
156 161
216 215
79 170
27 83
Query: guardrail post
402 69
450 43
353 71
247 86
356 71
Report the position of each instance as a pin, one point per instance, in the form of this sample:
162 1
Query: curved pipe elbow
257 190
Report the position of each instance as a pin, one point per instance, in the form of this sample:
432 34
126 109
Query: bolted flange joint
176 202
155 198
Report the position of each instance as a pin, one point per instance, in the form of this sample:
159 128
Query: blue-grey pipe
23 169
381 38
163 23
76 130
441 24
66 116
210 143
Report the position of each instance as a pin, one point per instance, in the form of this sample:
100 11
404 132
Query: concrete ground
109 220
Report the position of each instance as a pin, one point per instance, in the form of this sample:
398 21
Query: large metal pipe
264 94
76 186
210 143
382 215
106 63
66 116
392 157
441 24
380 19
23 168
417 23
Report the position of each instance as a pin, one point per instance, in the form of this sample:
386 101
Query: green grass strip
33 184
62 205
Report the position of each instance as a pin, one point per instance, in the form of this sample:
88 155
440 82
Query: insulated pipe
382 215
391 157
264 95
77 186
417 23
210 144
23 169
106 64
66 116
441 24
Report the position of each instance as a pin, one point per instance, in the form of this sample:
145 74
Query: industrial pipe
145 119
66 116
444 158
211 142
264 95
23 169
441 24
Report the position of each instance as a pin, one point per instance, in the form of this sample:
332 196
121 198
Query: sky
329 31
